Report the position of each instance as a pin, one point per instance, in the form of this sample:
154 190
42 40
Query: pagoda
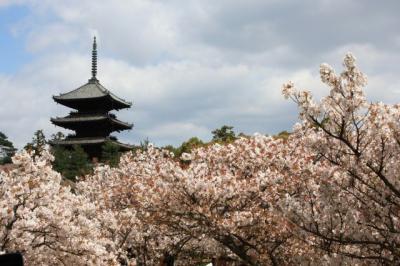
91 120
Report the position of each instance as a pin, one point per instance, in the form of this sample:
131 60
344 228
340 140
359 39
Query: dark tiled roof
89 141
92 89
88 118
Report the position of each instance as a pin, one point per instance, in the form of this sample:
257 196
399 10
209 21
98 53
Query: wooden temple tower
91 120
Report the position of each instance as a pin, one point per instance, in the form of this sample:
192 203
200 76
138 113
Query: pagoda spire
94 61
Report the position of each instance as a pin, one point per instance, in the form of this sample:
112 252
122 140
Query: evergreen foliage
187 146
57 136
110 154
4 141
224 134
143 146
71 163
38 143
282 135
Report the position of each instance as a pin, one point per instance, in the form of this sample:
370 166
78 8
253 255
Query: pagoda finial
94 60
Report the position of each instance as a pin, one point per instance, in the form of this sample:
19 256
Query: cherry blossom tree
44 220
126 198
343 164
214 204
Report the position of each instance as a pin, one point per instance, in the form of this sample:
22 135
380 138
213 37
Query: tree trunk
167 260
220 262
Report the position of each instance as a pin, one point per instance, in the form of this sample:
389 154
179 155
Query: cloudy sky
188 66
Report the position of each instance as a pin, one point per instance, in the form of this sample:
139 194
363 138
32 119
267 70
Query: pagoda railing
88 114
73 136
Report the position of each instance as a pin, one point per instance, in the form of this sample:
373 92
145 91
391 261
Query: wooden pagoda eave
90 141
91 90
66 121
107 101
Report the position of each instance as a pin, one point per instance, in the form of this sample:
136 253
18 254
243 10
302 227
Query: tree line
72 163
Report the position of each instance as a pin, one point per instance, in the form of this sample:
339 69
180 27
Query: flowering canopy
348 190
326 194
45 221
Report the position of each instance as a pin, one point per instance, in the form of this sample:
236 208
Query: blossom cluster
44 220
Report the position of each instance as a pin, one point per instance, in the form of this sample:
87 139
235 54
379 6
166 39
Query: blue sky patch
13 54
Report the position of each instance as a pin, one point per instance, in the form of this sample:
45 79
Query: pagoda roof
91 91
90 141
75 119
92 95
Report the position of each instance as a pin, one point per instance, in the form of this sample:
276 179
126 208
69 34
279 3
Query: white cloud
4 3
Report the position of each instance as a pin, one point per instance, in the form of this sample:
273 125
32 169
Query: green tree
61 159
187 146
282 135
223 134
71 163
38 143
5 142
57 136
110 153
79 164
170 148
143 146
